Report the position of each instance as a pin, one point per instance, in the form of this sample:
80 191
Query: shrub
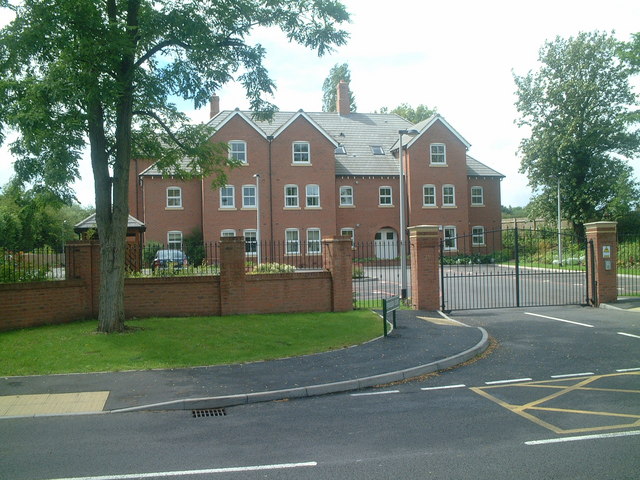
274 268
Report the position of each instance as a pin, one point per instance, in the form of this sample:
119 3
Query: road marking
584 437
461 385
573 375
628 335
500 382
628 370
563 387
374 393
559 320
134 476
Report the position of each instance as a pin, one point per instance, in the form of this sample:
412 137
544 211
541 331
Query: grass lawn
181 342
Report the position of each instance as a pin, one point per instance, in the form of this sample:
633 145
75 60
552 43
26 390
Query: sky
458 57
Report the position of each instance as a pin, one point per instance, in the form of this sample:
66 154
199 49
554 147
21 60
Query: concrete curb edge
316 390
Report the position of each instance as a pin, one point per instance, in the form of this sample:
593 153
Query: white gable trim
238 113
302 114
434 119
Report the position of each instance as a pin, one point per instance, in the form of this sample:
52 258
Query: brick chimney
214 106
343 102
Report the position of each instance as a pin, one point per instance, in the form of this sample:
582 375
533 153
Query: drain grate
208 412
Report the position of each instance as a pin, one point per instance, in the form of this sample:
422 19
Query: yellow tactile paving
52 403
545 392
441 321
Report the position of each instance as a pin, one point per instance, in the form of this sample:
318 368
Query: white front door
386 244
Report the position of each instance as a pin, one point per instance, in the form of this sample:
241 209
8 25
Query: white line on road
461 385
585 437
566 375
374 393
628 335
622 370
514 380
134 476
559 320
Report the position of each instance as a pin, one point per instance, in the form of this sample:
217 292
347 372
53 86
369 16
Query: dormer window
377 150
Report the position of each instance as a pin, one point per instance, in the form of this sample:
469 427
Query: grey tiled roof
479 169
356 132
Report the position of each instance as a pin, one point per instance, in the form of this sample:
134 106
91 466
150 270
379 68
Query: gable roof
356 133
90 223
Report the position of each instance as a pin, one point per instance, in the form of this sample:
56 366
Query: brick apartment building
324 174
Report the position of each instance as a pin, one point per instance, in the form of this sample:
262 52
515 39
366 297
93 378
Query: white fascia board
438 118
238 113
302 114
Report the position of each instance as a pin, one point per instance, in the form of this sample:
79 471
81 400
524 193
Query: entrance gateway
513 268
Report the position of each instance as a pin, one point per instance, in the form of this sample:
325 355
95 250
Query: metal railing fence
39 265
628 264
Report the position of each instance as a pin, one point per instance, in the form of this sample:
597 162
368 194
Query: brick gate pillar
232 275
337 258
605 259
82 261
425 262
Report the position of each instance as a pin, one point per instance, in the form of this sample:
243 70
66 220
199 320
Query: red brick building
324 174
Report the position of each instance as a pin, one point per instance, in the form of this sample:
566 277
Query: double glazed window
227 196
477 196
477 236
174 240
346 196
301 152
238 151
313 241
385 198
429 195
248 196
291 196
438 154
292 241
313 196
174 197
450 242
448 196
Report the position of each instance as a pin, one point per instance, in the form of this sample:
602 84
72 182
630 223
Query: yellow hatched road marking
567 386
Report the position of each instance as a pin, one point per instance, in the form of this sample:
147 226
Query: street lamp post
403 226
257 177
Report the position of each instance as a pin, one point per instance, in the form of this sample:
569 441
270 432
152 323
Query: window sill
346 206
301 164
174 208
291 208
248 209
477 205
227 209
429 207
449 206
438 165
478 244
313 208
386 206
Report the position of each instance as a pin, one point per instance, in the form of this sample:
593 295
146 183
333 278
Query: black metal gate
513 268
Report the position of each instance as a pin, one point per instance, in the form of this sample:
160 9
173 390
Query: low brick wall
233 292
40 303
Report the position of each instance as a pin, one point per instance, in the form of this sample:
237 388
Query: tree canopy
414 115
330 88
104 75
577 108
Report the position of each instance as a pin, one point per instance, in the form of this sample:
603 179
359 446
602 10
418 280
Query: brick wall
233 292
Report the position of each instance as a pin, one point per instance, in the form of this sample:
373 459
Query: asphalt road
553 400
